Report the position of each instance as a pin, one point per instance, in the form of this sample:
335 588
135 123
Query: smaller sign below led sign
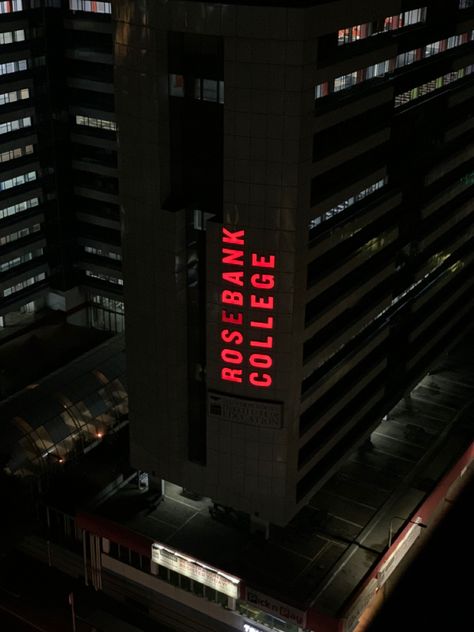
245 411
247 315
251 628
195 570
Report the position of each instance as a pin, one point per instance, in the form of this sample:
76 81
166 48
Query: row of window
392 23
18 152
107 314
19 234
200 89
109 304
18 208
16 95
13 66
349 202
431 86
89 121
23 284
17 180
103 253
104 277
389 65
466 4
90 7
13 126
411 56
10 6
10 37
27 256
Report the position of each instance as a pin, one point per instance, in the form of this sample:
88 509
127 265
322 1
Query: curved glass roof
66 412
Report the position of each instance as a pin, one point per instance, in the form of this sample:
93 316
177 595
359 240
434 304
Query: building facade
59 215
296 184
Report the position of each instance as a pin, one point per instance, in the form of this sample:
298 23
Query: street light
390 528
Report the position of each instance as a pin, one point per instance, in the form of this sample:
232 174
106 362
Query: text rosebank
259 303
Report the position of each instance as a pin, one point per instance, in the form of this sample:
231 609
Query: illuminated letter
237 278
231 356
260 302
263 262
260 379
260 361
268 344
264 281
265 324
233 237
233 257
232 298
229 317
232 336
231 375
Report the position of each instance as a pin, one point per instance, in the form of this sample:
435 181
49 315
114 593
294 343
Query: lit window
13 126
104 277
10 6
89 121
321 90
16 95
17 180
102 253
18 208
391 23
10 37
24 284
431 86
345 81
347 203
90 6
18 152
19 234
13 66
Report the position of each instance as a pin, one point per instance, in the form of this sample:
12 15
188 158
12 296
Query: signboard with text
276 608
195 570
247 311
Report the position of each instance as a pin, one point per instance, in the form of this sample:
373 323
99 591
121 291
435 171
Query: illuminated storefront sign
247 312
195 570
275 607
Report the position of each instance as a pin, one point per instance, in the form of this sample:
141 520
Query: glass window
13 66
176 85
16 95
18 208
10 6
209 90
17 180
18 152
95 122
90 6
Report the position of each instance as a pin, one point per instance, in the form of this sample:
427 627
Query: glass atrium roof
66 412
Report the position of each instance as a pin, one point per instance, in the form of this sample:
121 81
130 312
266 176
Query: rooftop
331 545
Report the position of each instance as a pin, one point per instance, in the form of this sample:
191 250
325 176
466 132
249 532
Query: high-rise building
59 214
296 180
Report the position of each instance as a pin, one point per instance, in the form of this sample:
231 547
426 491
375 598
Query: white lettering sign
195 570
275 607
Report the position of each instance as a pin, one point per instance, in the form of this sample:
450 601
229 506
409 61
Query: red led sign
251 291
